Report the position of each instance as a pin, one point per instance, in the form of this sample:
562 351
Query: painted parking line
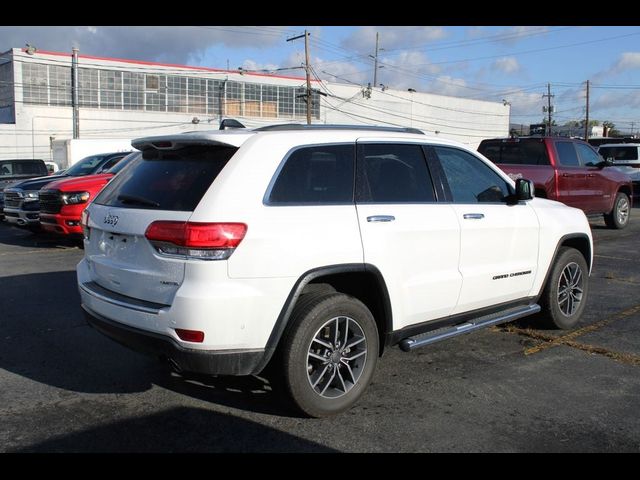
549 340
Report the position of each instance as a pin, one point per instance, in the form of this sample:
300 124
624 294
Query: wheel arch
579 241
362 281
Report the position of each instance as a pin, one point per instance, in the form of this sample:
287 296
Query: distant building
130 98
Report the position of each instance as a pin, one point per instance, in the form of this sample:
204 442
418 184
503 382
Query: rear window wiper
133 199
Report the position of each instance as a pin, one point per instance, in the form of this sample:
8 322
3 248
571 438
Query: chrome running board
434 336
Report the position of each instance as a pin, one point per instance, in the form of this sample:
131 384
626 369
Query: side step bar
428 338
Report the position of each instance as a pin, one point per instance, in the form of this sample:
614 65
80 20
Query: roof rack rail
300 126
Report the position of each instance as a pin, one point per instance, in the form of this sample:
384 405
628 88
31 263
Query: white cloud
627 61
173 44
615 100
363 39
250 64
506 65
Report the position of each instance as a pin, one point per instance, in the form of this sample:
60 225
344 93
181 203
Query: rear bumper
210 362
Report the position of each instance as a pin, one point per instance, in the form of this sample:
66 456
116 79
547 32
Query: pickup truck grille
12 200
50 201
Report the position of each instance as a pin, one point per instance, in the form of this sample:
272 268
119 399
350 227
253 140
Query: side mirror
607 162
524 189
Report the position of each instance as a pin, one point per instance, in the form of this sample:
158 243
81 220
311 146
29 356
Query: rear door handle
473 216
381 218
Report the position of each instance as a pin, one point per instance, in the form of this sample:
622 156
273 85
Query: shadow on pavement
20 237
45 338
179 430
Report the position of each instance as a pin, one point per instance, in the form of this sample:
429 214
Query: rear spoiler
232 138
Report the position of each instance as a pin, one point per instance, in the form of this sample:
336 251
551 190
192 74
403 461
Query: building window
156 99
215 96
35 85
176 93
315 105
132 91
152 82
285 101
233 100
6 85
124 90
59 85
197 95
269 101
110 89
89 87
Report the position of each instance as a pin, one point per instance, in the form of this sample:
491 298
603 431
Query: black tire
619 216
339 380
562 307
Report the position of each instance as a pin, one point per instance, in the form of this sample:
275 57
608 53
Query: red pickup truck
62 201
567 170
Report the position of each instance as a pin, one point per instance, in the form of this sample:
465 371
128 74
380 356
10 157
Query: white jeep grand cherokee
312 248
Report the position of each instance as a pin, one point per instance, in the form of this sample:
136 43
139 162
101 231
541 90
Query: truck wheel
619 216
329 354
565 294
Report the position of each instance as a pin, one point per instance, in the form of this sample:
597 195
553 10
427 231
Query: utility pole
548 95
586 122
375 65
75 86
307 68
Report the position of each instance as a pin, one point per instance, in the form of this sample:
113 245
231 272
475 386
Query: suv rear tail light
204 241
84 221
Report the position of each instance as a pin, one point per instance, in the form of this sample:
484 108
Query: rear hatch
166 185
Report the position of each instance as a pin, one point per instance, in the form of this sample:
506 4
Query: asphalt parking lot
66 388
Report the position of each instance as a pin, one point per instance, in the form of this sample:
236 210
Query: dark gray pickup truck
16 170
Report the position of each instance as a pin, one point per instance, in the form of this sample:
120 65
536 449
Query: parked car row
65 194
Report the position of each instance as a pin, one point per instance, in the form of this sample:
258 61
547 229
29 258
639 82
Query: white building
127 98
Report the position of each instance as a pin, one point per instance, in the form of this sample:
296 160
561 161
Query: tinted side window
518 152
588 155
110 163
319 174
469 179
567 154
166 179
393 173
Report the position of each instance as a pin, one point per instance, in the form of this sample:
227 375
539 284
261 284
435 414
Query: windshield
86 166
619 154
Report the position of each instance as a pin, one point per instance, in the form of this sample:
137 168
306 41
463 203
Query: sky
501 63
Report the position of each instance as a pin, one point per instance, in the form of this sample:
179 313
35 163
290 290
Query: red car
63 201
567 170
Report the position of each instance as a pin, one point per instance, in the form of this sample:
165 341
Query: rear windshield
23 167
619 154
167 179
516 152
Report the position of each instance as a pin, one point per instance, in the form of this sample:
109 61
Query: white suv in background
313 248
